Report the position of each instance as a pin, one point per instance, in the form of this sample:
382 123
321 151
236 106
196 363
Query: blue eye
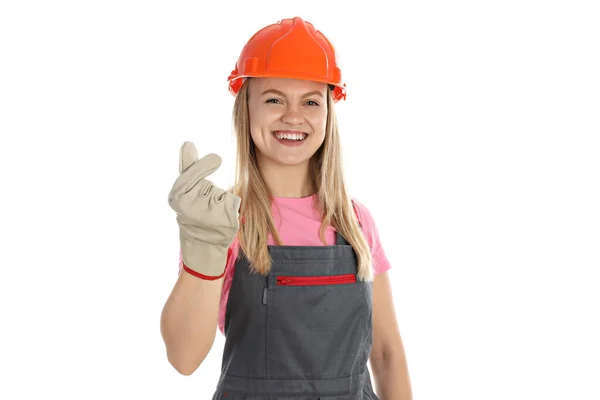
312 101
270 100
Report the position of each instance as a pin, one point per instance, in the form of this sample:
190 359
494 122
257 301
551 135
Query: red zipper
315 280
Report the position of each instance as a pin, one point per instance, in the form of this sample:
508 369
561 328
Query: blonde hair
327 179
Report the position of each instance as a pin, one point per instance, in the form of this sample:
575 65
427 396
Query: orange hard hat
290 48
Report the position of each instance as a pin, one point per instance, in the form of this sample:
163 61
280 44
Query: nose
292 116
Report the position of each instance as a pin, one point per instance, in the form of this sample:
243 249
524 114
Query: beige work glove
208 217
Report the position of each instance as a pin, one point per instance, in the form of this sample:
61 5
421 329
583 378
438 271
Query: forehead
286 85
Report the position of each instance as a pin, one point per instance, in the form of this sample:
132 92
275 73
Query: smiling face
288 118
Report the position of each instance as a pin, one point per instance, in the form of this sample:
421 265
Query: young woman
286 264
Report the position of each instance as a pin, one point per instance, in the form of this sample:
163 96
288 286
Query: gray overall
302 333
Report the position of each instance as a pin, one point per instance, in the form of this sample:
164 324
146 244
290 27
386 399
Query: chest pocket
317 327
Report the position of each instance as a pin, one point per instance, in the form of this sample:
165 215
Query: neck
290 181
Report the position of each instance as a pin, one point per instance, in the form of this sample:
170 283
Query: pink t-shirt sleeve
380 261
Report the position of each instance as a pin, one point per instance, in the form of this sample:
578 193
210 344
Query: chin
291 160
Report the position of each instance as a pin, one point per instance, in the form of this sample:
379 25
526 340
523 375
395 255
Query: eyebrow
279 93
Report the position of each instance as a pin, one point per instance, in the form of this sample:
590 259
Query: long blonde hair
327 179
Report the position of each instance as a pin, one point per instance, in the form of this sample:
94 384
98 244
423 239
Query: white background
471 131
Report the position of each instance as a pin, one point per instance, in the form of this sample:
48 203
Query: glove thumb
187 156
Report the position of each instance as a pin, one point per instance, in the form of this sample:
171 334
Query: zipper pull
264 296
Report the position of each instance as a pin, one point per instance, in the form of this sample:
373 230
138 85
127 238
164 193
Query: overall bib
302 333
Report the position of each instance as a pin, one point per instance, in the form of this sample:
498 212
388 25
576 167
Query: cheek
319 123
256 123
261 120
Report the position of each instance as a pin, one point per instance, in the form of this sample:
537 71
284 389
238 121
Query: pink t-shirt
298 225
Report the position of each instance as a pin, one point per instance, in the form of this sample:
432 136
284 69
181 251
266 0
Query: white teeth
291 136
